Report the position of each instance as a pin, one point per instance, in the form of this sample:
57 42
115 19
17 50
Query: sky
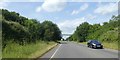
66 14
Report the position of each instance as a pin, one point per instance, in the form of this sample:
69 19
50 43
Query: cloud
90 17
69 26
38 9
21 0
93 0
61 0
35 0
51 6
3 5
107 8
2 0
82 8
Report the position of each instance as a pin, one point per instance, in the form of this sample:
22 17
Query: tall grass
110 45
32 50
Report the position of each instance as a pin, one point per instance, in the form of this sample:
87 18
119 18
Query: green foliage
81 32
15 31
32 50
23 31
108 32
109 36
51 31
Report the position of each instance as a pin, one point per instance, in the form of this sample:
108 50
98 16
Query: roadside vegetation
107 33
32 50
22 36
0 44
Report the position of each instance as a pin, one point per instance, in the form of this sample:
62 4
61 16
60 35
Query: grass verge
27 51
113 45
110 45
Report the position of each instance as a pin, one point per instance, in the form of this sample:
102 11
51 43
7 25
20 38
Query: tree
22 30
106 32
51 31
81 32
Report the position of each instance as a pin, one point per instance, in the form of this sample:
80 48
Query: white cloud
35 0
82 8
90 17
21 0
69 26
107 8
61 0
3 5
38 9
1 0
51 6
93 0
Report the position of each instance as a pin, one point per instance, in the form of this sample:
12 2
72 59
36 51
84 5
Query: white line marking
55 52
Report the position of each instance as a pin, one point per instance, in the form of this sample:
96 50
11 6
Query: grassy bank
112 45
27 51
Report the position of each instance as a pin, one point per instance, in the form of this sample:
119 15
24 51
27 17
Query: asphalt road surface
73 50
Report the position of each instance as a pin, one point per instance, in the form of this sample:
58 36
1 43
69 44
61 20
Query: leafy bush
107 32
22 30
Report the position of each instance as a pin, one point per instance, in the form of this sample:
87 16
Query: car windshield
94 41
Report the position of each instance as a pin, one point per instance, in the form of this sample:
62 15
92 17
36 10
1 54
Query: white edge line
55 52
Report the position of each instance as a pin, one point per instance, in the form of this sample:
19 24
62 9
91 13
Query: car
62 42
94 44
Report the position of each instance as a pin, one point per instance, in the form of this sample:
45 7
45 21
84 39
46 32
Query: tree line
107 32
22 30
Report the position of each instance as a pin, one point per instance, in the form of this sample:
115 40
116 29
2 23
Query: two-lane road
74 50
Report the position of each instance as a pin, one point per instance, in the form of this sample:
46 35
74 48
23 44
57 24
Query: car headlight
101 44
94 44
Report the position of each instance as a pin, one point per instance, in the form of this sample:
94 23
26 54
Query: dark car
94 44
62 42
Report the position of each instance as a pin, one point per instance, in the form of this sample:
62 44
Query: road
79 51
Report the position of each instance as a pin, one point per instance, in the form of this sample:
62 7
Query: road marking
55 52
